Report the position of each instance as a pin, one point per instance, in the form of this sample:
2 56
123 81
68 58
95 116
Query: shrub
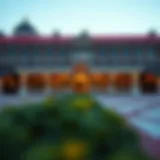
73 127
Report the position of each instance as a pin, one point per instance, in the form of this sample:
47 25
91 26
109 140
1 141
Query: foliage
73 127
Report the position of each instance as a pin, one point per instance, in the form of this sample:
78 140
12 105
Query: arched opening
148 82
11 83
60 81
65 80
123 82
55 81
35 82
100 81
80 82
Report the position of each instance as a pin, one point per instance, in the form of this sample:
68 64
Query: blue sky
72 16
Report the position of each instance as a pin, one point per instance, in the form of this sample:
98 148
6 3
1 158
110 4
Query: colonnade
100 82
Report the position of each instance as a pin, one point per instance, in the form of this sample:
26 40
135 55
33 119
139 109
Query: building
30 52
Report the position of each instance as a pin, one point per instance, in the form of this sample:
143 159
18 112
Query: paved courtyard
142 112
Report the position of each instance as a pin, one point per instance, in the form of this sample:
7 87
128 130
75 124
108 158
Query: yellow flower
83 103
74 150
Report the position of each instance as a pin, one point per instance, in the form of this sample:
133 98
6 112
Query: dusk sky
72 16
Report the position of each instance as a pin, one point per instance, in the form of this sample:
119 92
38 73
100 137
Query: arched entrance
35 82
100 81
123 82
148 82
11 83
81 78
59 81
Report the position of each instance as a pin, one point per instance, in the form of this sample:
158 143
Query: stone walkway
143 113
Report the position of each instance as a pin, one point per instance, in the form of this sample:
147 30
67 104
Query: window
47 55
146 55
84 56
151 55
114 56
139 55
108 57
9 55
126 56
36 56
61 58
101 57
132 56
101 61
23 55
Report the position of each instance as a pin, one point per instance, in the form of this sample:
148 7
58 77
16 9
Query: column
48 89
0 85
23 89
136 89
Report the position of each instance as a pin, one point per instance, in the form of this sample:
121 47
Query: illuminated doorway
148 83
36 82
11 84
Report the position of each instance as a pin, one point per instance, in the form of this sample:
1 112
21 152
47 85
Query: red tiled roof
67 39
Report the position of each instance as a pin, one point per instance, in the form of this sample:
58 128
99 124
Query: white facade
133 54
